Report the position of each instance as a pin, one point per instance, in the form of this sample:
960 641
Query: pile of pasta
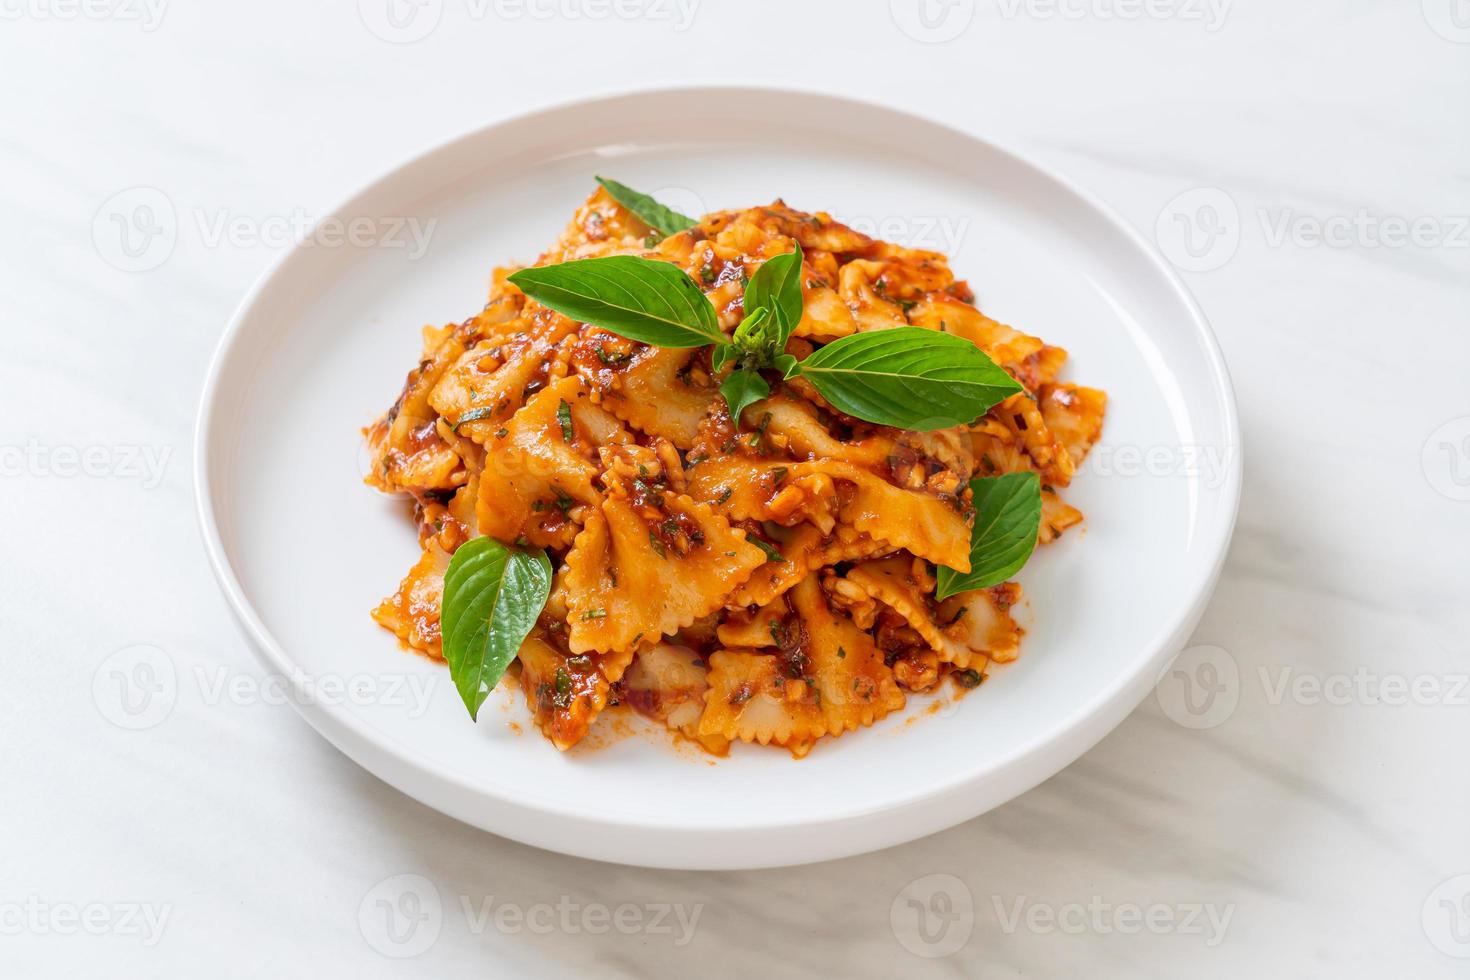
769 583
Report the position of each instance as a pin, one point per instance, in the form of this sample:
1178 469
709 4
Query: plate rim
1093 718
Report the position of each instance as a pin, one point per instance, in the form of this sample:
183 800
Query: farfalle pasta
771 576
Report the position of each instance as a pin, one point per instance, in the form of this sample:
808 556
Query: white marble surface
1323 829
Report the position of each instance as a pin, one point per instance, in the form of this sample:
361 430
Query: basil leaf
909 378
776 286
645 300
492 596
750 335
1007 520
722 355
664 220
742 389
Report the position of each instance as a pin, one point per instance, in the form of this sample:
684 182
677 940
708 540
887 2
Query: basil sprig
1007 520
666 221
905 377
492 596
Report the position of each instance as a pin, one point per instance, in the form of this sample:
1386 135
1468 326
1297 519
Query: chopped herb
564 416
741 695
759 434
778 632
473 415
771 553
729 554
841 654
594 614
725 495
611 359
654 496
538 505
707 274
564 500
657 545
580 662
958 616
563 697
501 433
779 474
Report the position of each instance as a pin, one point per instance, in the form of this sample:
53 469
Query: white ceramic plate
321 344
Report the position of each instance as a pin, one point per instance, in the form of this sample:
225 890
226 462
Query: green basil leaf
789 366
1007 520
909 378
722 355
653 214
776 286
492 596
645 300
742 389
